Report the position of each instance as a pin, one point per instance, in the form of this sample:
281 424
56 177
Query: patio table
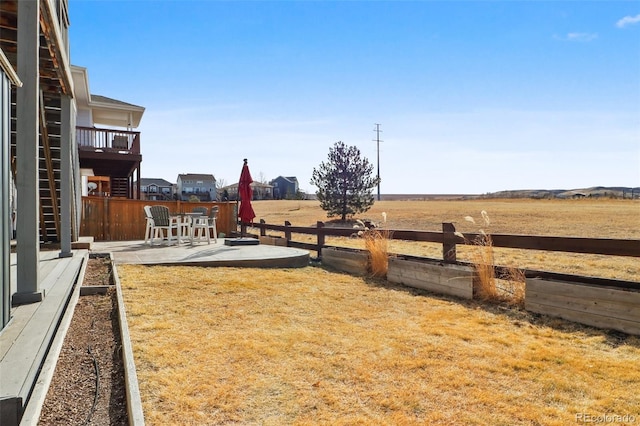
186 220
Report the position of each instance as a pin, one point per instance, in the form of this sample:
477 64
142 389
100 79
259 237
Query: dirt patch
88 384
99 271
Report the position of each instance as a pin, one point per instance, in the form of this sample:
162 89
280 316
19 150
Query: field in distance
624 192
589 218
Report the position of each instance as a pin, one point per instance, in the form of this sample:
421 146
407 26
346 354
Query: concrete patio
203 254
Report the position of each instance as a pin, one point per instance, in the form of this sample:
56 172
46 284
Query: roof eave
81 85
131 115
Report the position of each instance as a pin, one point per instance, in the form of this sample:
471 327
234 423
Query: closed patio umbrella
245 212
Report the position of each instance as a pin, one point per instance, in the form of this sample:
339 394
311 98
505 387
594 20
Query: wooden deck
35 332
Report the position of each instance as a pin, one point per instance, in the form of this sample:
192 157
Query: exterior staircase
49 170
48 165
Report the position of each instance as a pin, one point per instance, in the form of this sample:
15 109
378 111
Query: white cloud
581 37
628 20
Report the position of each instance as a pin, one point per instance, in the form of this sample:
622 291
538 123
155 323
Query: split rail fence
598 302
449 240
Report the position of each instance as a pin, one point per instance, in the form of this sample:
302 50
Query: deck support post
27 155
65 176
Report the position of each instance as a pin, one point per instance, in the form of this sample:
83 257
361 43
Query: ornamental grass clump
376 242
510 286
483 261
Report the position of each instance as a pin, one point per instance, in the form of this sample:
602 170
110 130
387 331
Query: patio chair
149 228
120 142
162 221
202 210
200 226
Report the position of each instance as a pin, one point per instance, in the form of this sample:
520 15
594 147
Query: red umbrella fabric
245 212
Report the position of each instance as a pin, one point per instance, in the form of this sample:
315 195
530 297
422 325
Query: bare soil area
88 385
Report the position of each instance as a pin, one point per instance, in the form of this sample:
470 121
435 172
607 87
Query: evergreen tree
344 182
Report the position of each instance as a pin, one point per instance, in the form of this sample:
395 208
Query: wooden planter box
273 241
453 280
602 307
346 260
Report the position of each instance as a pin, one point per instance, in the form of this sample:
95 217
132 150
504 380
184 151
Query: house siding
202 186
156 189
284 187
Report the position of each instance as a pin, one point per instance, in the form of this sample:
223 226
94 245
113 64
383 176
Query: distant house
285 187
261 191
155 189
202 186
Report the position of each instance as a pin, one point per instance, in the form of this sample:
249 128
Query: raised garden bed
598 306
438 277
88 384
342 259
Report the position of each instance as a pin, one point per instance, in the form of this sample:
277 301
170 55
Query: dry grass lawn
309 346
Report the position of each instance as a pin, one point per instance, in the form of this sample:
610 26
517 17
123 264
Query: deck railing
109 140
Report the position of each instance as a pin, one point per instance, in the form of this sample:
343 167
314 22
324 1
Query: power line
377 140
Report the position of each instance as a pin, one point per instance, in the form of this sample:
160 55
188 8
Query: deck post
27 155
65 176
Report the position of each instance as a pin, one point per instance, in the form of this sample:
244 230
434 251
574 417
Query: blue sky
472 96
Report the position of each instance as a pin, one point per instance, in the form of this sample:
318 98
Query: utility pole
377 139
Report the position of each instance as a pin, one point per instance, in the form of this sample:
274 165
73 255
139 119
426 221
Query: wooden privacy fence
119 219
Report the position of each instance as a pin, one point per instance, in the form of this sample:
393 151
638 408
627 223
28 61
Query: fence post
321 236
448 243
263 232
287 232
